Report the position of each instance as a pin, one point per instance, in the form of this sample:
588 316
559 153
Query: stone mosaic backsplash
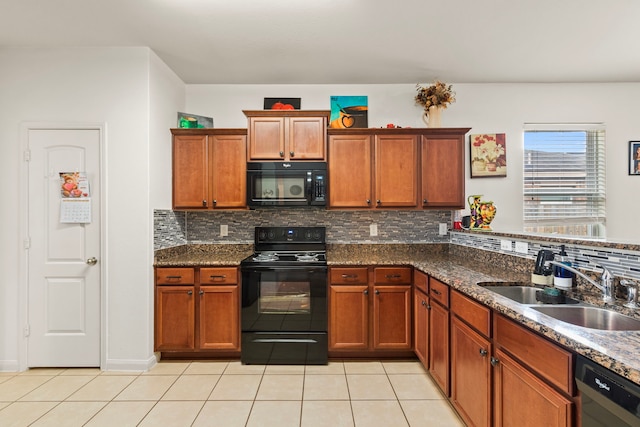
173 228
620 262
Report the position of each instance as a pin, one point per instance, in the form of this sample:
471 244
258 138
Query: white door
63 295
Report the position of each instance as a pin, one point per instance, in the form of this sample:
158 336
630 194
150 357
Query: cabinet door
439 345
421 326
219 317
350 171
442 171
190 172
349 317
306 137
521 399
396 164
470 374
175 318
228 163
392 317
266 138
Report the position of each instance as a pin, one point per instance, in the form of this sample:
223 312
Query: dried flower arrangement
439 94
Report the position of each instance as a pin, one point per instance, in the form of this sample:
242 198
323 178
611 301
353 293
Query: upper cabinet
396 168
209 168
287 135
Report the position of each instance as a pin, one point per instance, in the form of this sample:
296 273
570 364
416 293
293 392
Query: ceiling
349 41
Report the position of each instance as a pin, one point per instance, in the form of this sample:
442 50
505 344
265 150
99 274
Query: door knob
92 261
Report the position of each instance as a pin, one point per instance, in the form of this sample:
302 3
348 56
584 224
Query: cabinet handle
483 352
494 361
428 306
201 292
204 203
214 202
393 276
424 303
435 291
366 292
377 292
349 276
292 153
282 154
378 202
424 201
189 292
221 276
369 201
174 277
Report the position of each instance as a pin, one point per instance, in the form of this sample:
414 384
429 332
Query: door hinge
27 155
27 331
27 243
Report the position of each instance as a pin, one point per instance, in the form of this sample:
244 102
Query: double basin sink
572 311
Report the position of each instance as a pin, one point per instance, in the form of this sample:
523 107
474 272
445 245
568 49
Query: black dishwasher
607 398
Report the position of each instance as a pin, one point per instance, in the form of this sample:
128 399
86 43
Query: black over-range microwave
286 184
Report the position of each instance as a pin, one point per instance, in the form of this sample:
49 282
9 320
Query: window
564 180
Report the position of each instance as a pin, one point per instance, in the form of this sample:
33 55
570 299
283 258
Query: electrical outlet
506 245
373 230
522 247
442 228
224 230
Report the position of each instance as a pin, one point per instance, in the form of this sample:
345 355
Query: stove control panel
290 235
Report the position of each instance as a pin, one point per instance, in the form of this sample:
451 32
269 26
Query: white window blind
564 179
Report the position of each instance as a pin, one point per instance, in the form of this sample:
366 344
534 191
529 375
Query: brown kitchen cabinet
442 171
396 168
370 309
209 168
287 135
439 333
421 317
203 315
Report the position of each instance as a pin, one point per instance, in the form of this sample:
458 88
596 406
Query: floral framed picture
488 155
634 157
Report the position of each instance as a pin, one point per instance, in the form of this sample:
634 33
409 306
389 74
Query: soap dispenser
562 278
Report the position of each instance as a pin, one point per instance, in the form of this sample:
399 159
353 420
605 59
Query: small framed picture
488 155
634 157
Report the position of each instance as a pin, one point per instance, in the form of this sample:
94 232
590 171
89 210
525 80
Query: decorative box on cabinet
209 168
287 135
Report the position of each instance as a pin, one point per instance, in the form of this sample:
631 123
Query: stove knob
262 235
316 235
308 235
272 235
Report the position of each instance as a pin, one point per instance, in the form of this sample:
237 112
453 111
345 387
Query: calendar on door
75 201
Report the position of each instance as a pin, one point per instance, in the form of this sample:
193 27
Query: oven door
284 299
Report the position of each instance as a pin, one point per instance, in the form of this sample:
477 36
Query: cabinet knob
377 292
494 361
378 202
189 292
282 154
292 153
428 306
214 202
201 292
204 203
366 292
483 352
368 201
424 201
424 303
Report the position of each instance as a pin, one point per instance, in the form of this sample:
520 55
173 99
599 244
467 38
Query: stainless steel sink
522 294
591 317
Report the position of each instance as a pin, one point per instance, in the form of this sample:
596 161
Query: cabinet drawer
219 276
476 315
174 276
439 291
348 276
421 281
539 355
392 275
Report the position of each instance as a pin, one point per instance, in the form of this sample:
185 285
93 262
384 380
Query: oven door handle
286 340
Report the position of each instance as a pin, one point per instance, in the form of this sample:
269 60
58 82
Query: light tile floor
228 394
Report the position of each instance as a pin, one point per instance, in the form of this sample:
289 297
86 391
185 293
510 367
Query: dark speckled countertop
462 268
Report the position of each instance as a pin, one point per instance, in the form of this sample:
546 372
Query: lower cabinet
197 309
421 317
439 333
370 309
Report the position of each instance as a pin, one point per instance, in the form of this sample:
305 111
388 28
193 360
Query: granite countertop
463 271
615 350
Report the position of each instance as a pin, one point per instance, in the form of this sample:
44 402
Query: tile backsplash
173 228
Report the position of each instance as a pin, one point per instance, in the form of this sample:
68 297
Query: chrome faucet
606 280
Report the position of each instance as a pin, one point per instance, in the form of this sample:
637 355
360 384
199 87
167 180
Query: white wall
486 108
111 86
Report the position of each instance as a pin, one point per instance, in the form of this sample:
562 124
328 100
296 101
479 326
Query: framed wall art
488 155
349 112
634 157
